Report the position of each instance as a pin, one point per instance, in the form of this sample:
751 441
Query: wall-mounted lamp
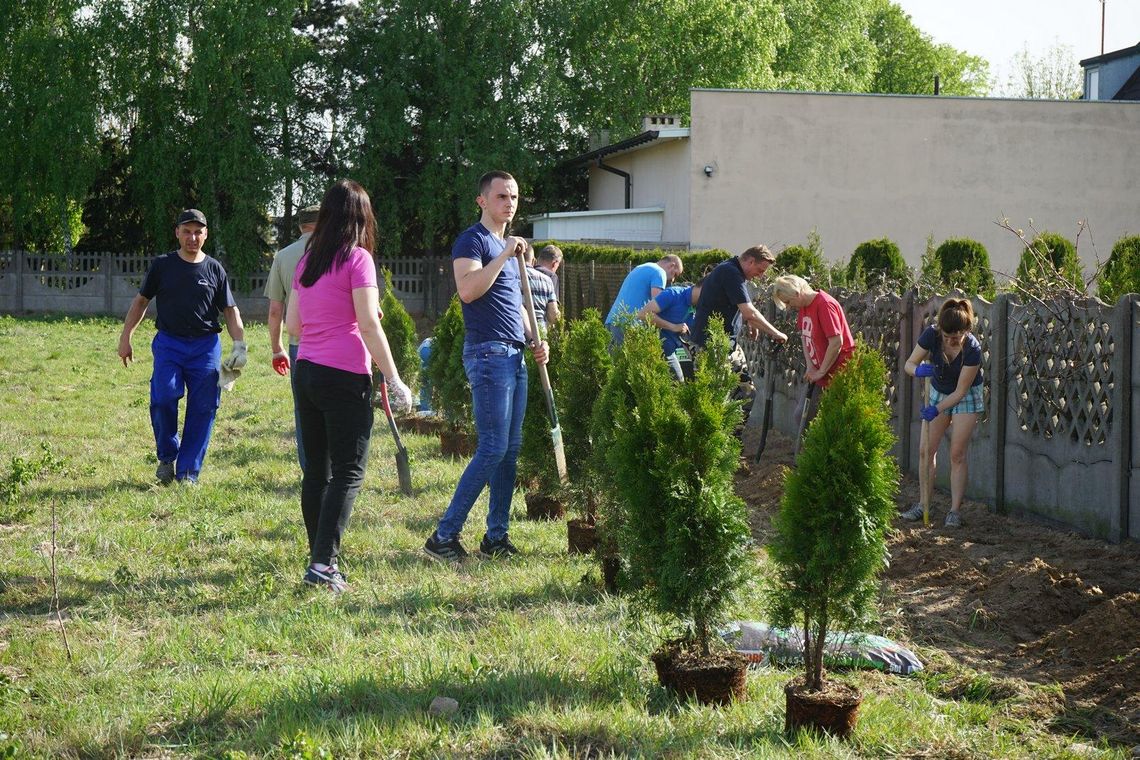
709 170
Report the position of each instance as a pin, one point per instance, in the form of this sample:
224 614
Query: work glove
929 412
231 366
281 363
925 369
399 397
238 356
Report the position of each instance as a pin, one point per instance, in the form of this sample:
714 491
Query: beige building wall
660 178
857 167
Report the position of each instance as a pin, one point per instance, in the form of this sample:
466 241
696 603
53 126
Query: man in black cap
192 290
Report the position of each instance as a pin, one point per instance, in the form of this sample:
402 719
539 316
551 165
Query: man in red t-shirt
825 333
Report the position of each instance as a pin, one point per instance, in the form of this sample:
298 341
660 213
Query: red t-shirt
818 322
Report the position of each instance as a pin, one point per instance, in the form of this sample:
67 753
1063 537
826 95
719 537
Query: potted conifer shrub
451 393
830 535
685 533
536 469
586 351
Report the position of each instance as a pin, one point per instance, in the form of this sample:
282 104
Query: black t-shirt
190 296
722 293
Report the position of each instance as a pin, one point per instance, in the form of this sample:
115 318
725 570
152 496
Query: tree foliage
400 329
877 261
1054 75
908 59
1121 273
673 457
450 390
830 532
1051 260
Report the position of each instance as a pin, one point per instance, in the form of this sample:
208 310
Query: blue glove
925 369
929 412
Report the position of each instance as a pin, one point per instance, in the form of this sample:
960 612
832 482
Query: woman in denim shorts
955 372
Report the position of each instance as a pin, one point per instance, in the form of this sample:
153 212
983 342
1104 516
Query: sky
998 29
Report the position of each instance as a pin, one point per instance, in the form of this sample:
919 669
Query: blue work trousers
184 366
497 374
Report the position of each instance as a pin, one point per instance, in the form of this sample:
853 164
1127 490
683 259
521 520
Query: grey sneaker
329 579
912 514
953 520
165 473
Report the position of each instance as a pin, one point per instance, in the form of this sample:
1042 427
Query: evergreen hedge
696 263
798 259
1121 273
965 264
1053 260
877 261
536 457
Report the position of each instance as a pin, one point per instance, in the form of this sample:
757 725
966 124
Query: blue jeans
296 413
497 374
184 366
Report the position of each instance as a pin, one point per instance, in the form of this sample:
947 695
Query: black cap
191 215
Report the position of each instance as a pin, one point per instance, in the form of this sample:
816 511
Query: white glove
227 377
399 397
237 358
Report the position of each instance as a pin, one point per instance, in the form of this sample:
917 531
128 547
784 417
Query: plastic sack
762 645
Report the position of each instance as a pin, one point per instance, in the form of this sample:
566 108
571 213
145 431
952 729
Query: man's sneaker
329 578
501 548
165 473
912 514
953 520
450 552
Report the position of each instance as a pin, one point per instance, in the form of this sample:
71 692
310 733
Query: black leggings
335 411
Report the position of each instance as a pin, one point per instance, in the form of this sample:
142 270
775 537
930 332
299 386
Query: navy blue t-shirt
722 293
946 375
495 315
190 296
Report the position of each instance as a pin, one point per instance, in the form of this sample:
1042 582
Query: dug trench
1024 602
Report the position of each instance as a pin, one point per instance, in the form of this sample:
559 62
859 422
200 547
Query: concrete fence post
18 269
106 262
1120 441
999 394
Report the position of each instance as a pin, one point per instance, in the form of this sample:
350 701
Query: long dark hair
344 222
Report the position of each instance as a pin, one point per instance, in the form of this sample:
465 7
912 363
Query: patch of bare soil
1002 595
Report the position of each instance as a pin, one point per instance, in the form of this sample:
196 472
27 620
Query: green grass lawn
192 634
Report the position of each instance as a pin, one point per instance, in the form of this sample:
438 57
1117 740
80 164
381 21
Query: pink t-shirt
330 334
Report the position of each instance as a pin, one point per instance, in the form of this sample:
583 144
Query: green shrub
877 262
965 264
1051 261
672 458
1121 274
695 262
400 329
450 391
830 533
536 457
587 357
798 259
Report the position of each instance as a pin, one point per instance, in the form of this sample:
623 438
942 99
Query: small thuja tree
830 533
673 456
965 264
450 391
585 349
400 329
877 262
1050 262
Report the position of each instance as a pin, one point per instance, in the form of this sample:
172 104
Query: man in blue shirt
496 331
725 292
671 311
192 289
643 282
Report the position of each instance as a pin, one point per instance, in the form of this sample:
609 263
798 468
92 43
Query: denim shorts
971 403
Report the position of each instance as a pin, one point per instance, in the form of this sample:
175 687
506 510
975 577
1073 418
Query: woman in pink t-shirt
334 307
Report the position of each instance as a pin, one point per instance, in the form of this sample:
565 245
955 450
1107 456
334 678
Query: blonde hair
787 285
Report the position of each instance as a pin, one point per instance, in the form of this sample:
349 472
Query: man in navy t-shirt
725 292
487 277
191 291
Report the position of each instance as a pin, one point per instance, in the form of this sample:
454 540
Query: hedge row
695 262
